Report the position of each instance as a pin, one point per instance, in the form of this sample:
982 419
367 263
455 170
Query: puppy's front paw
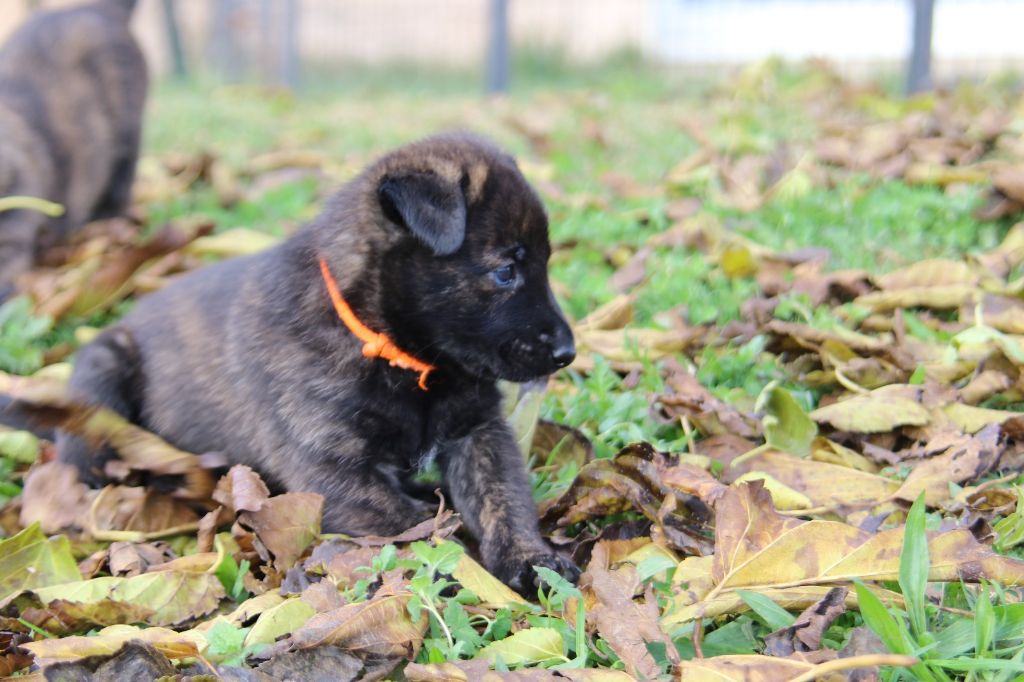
516 569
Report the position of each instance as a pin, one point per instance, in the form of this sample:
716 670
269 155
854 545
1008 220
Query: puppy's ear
429 206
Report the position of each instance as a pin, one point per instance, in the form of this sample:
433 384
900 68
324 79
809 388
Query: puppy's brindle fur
443 246
72 88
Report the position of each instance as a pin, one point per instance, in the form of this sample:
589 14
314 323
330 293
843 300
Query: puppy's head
464 278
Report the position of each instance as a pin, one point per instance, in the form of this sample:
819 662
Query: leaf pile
769 461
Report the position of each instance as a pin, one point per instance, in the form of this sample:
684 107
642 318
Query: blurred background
303 42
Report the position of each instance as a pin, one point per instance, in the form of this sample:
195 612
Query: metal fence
272 40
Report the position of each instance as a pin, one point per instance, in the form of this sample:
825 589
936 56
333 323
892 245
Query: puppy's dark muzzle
561 349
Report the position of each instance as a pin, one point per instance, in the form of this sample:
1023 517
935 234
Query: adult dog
72 88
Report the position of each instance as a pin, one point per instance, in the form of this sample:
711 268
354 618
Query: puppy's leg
365 501
106 373
487 480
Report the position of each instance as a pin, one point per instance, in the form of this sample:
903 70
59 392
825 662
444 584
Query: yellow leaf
535 645
823 483
737 261
378 627
492 592
239 241
758 549
108 641
783 496
288 616
757 668
972 419
940 297
872 413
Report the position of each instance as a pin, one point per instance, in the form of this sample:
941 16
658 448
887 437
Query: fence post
290 69
224 48
919 73
498 48
178 67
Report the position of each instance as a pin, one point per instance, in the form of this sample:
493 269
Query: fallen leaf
758 549
286 525
823 483
30 560
786 426
241 489
805 634
378 627
282 619
531 646
108 641
755 668
626 625
54 498
172 596
48 400
478 671
492 592
872 413
964 462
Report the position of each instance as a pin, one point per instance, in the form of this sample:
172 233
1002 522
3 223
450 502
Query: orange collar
375 344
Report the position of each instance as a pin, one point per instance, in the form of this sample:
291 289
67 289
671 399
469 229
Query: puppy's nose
563 354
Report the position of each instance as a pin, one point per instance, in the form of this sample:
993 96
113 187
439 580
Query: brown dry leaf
340 560
112 280
709 414
965 461
478 671
942 297
138 514
632 272
630 344
54 497
984 385
61 616
758 549
805 634
637 478
378 627
286 525
615 314
440 527
323 596
1010 181
131 558
556 445
241 489
812 337
935 272
755 668
628 626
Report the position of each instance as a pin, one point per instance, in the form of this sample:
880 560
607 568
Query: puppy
72 88
367 344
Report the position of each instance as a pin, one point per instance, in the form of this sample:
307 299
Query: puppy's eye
505 276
